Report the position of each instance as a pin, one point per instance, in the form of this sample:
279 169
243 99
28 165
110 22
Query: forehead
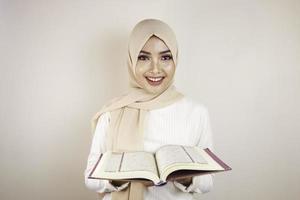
155 44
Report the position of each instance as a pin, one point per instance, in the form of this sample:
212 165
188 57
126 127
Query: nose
155 68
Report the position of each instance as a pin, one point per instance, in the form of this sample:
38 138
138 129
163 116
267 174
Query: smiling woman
155 67
152 114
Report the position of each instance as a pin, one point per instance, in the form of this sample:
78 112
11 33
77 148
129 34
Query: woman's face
155 67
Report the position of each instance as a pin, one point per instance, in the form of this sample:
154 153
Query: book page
114 162
132 161
195 156
171 154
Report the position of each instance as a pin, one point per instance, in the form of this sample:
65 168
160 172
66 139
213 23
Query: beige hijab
128 112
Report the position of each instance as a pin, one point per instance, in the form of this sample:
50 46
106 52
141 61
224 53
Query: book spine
161 183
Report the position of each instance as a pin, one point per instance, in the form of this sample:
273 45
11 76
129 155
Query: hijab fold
128 113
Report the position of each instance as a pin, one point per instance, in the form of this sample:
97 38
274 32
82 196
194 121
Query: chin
155 90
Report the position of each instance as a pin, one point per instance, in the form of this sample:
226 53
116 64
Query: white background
62 60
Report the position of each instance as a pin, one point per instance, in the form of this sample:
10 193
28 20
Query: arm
203 183
98 147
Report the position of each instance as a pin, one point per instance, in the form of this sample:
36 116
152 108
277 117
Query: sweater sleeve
98 147
204 183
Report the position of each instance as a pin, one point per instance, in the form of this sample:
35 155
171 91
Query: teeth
155 79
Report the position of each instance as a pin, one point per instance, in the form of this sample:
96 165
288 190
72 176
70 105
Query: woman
152 114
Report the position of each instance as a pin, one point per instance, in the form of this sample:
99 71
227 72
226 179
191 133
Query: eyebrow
162 52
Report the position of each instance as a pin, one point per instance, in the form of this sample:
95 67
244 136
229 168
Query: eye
166 57
143 57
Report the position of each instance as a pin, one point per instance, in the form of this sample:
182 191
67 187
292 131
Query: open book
168 163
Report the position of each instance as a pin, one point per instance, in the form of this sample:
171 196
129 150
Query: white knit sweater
185 122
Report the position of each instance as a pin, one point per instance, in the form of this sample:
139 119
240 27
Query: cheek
169 70
140 71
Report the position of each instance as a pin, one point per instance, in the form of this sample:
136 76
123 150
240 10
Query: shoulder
193 106
105 116
103 119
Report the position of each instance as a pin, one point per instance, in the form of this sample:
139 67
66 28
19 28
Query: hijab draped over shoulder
128 112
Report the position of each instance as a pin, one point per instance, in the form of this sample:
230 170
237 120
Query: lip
154 82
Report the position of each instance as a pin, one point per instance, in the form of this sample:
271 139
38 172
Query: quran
168 163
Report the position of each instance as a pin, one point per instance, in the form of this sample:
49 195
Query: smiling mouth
155 81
